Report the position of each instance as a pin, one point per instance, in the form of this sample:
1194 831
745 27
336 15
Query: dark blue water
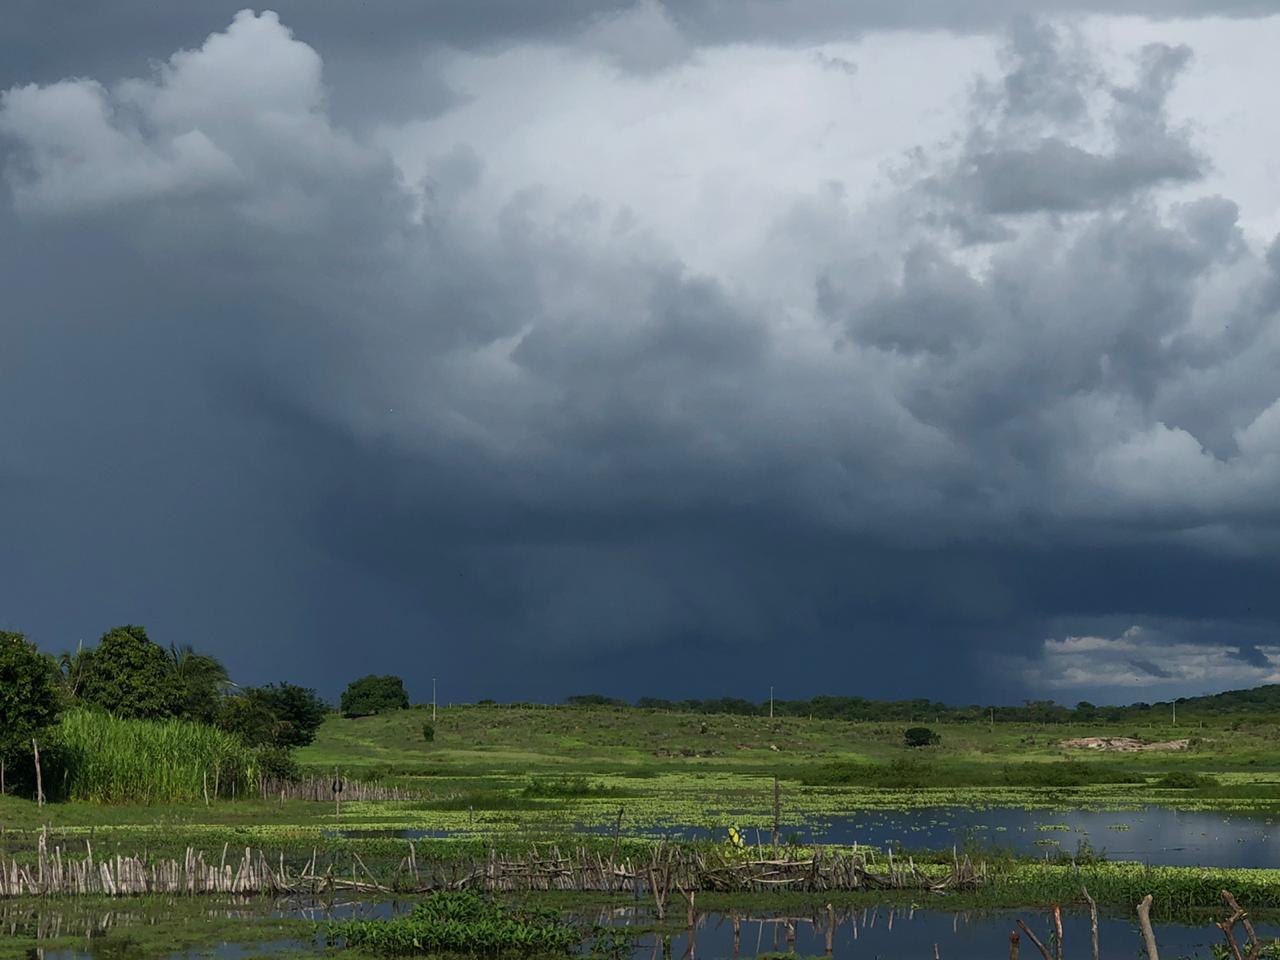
874 932
1154 835
886 933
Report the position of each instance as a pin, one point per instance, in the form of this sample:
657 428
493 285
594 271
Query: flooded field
1160 836
859 933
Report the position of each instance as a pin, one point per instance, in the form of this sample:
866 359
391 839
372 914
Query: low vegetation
461 922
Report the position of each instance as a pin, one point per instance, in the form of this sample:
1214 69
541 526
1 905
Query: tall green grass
106 759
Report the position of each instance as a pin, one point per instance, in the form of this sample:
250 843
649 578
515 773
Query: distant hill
1254 701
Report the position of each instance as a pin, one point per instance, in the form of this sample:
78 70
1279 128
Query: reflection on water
889 932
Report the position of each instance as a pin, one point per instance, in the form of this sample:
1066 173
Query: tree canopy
373 694
130 676
29 699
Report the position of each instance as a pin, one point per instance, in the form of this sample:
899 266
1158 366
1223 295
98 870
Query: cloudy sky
654 348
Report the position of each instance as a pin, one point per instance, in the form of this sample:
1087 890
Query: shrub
920 737
373 694
428 731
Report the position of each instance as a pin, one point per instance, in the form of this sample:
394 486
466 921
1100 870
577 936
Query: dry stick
1057 932
1148 935
35 749
1244 919
1093 920
1034 939
1013 944
1227 927
831 928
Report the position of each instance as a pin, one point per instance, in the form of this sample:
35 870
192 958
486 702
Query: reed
106 759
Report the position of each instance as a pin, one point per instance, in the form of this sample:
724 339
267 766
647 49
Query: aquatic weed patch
460 922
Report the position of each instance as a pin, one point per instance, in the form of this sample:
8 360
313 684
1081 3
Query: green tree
29 699
920 737
298 712
129 676
373 694
202 680
250 718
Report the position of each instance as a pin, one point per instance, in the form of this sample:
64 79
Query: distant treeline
1265 699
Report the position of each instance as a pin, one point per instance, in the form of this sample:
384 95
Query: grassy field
507 777
513 767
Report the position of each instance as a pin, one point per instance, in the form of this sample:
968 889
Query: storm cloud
617 337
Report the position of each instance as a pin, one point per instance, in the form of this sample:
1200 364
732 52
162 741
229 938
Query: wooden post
831 929
1148 935
35 750
433 699
1035 940
337 795
1014 939
1243 917
1093 920
206 788
771 703
1057 932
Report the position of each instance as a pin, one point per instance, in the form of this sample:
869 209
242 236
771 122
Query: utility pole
1175 711
433 699
993 719
771 703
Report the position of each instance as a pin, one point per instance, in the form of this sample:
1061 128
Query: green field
507 777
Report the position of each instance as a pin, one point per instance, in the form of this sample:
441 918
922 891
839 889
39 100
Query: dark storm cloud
1150 669
1252 656
265 407
45 42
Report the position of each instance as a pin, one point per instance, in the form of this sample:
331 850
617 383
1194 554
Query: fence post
35 750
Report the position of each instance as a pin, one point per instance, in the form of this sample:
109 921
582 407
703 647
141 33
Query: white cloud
1139 659
240 117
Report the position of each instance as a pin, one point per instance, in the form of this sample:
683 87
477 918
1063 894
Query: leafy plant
460 922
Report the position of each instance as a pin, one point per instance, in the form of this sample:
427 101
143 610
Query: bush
373 694
428 731
920 737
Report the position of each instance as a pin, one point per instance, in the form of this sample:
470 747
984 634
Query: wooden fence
666 868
